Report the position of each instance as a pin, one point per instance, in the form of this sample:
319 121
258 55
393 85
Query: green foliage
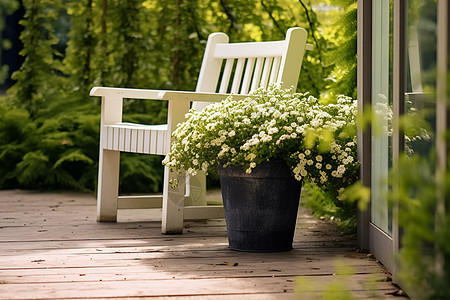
56 152
342 55
37 77
326 205
15 129
81 48
140 173
424 258
7 7
338 289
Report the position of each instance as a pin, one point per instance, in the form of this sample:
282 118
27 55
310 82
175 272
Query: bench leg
173 202
108 185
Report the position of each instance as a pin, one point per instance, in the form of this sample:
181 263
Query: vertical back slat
127 140
160 139
226 75
275 69
121 139
147 141
238 75
266 71
116 141
140 141
153 141
257 73
248 75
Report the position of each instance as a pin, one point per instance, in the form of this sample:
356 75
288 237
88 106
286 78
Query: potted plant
262 148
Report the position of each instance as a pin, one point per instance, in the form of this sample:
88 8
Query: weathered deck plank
52 248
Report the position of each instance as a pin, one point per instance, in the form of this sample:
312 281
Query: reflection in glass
421 71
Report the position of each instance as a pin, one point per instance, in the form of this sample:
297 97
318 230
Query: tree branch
312 26
272 17
229 14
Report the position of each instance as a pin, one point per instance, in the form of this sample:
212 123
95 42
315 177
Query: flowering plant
317 141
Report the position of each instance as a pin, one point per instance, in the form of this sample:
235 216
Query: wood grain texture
51 247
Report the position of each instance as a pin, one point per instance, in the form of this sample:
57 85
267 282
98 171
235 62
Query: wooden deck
51 247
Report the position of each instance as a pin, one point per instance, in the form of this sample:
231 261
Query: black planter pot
260 207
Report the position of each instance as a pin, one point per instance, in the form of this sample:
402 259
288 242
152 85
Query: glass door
380 229
403 81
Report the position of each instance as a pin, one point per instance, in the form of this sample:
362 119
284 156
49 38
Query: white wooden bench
227 68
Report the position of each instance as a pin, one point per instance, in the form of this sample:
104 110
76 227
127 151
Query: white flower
273 130
316 123
266 139
319 158
192 171
318 165
231 133
300 129
245 147
250 156
341 169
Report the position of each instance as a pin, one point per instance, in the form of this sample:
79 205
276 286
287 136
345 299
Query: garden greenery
424 258
72 45
317 141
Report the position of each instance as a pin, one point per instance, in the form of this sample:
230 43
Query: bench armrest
161 94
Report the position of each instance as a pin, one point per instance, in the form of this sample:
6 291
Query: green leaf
73 156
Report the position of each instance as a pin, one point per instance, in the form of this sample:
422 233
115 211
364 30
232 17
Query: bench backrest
239 68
